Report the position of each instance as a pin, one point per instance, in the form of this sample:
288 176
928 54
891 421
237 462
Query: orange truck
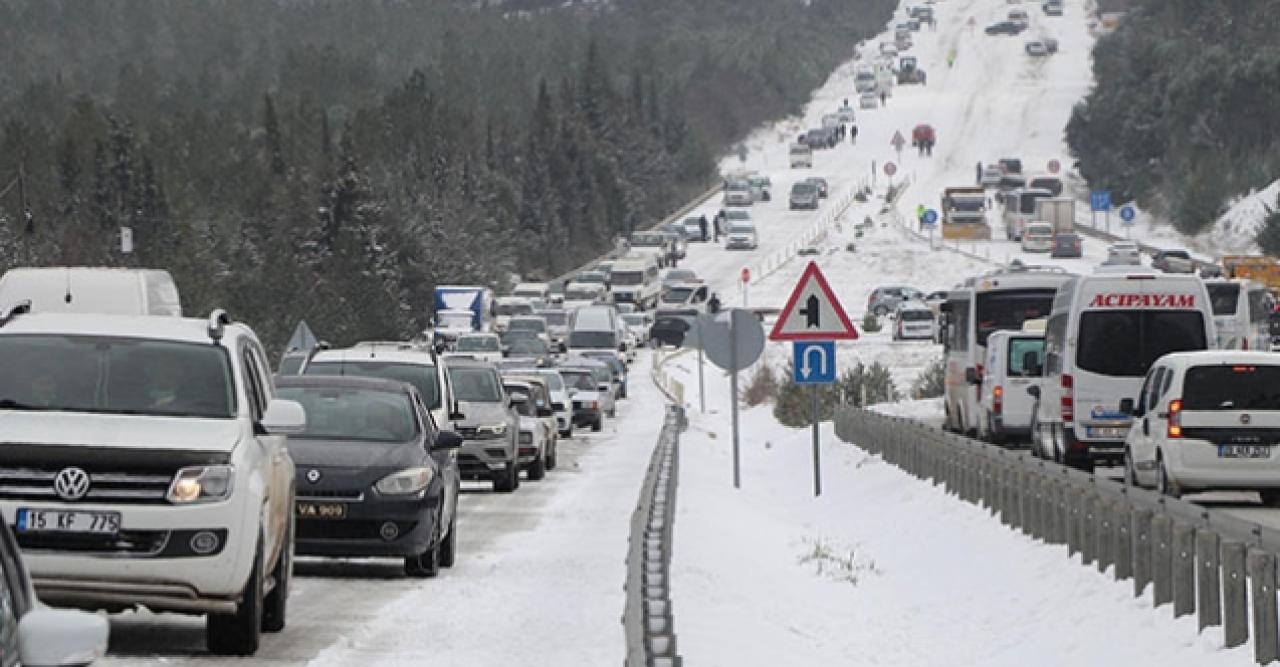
1260 268
964 213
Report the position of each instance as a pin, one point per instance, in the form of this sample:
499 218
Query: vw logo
313 475
71 483
1245 419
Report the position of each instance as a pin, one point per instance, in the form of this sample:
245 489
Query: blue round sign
1127 213
930 217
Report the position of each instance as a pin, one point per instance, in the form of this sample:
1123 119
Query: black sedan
670 329
1006 28
1067 245
375 477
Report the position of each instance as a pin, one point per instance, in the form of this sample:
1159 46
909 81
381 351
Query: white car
1036 47
1124 254
869 100
153 469
485 347
1015 360
914 320
535 443
742 236
1037 237
639 325
1207 421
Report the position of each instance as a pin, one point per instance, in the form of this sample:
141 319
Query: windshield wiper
10 404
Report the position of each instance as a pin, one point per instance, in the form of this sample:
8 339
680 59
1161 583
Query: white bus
999 300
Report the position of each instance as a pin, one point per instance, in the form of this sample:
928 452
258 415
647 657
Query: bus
999 300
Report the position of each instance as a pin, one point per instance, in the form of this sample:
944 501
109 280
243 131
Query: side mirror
546 412
284 418
446 440
971 375
1126 406
604 386
563 348
1034 391
61 637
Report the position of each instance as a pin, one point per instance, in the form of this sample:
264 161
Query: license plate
65 521
1244 451
322 510
1110 432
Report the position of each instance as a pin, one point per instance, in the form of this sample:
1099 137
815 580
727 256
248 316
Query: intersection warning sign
813 312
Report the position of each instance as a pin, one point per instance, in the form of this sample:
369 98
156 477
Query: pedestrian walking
702 224
920 209
718 222
853 134
883 97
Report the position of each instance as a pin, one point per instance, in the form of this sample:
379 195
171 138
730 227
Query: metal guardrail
648 617
832 216
1202 561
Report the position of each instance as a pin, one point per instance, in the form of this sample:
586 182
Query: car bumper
481 459
1097 450
739 245
1196 464
378 528
586 416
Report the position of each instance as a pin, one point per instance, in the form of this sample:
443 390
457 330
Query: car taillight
1244 343
997 399
1068 399
1175 418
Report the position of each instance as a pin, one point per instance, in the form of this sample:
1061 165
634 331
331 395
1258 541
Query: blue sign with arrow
814 362
1100 200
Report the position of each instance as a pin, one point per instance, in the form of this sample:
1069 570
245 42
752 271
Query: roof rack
20 308
218 320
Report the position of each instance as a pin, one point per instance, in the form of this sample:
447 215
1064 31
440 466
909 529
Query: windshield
421 376
476 385
967 204
1125 343
737 215
521 399
741 228
1007 310
132 376
1223 297
1019 348
628 278
603 340
556 318
804 188
536 324
677 295
291 365
368 415
581 294
529 292
478 344
554 381
647 240
916 315
510 309
580 380
527 346
1027 201
739 185
1238 387
590 277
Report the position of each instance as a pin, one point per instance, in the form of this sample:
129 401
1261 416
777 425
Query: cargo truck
964 213
461 309
1057 211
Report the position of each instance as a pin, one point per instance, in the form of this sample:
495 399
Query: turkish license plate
1244 451
1109 432
66 521
322 510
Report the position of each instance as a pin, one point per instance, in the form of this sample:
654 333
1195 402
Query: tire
427 563
598 424
553 460
880 311
538 469
449 547
1166 486
275 605
239 633
508 480
567 433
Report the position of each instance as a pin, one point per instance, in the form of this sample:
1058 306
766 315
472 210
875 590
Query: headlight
201 484
405 482
491 431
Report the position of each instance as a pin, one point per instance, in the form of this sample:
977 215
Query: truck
1260 268
461 309
909 70
964 213
1057 211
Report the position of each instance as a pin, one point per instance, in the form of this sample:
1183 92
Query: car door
446 459
1142 434
275 456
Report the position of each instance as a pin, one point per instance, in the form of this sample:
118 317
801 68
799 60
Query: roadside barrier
648 617
673 388
832 216
1197 560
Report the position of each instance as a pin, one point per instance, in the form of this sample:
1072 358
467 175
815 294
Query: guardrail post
1104 534
1262 577
985 468
1122 547
1035 511
1071 507
1089 530
1140 549
1162 559
1053 510
1184 569
1234 598
1209 588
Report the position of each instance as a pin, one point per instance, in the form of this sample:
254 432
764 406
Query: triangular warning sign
813 312
303 338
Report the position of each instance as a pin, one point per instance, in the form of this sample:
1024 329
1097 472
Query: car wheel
880 311
598 424
1166 485
449 547
554 459
238 633
538 469
427 563
506 481
275 607
567 433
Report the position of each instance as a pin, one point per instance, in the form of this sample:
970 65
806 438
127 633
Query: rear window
1126 343
1003 311
1232 388
1019 349
916 315
1259 306
1223 297
421 376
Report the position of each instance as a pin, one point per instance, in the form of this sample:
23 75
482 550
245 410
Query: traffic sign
732 348
1100 200
930 218
814 362
1054 166
890 169
1127 214
745 276
897 141
813 312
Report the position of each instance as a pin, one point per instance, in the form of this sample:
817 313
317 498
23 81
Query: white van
1015 360
636 281
1000 300
1105 332
1208 421
533 291
80 289
801 156
1020 209
1240 311
595 328
1037 237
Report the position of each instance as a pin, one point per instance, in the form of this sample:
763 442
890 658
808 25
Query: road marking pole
733 395
817 465
702 392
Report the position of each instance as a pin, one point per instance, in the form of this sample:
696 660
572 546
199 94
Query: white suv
146 465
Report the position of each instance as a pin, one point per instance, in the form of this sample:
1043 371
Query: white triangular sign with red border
813 312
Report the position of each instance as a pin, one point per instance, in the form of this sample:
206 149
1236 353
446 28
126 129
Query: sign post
813 319
1127 214
745 276
889 170
1100 200
928 222
732 343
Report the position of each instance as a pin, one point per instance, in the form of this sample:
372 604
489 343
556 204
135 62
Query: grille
133 542
347 530
526 438
104 486
305 493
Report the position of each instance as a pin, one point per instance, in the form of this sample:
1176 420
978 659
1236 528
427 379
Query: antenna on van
218 320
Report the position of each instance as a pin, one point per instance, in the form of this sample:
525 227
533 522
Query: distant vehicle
593 276
1173 261
1036 47
1010 165
537 438
935 300
820 183
831 120
1052 7
693 228
1057 211
1067 245
506 307
1020 210
964 213
909 71
532 291
1038 237
420 367
801 156
1019 15
634 281
738 193
1014 363
869 100
534 324
1124 254
1261 268
1048 182
991 176
1241 312
885 299
1006 28
864 79
913 319
804 195
846 113
684 297
639 324
737 215
1050 44
483 346
577 295
584 396
656 243
821 137
742 236
761 187
678 276
491 428
1204 421
669 330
